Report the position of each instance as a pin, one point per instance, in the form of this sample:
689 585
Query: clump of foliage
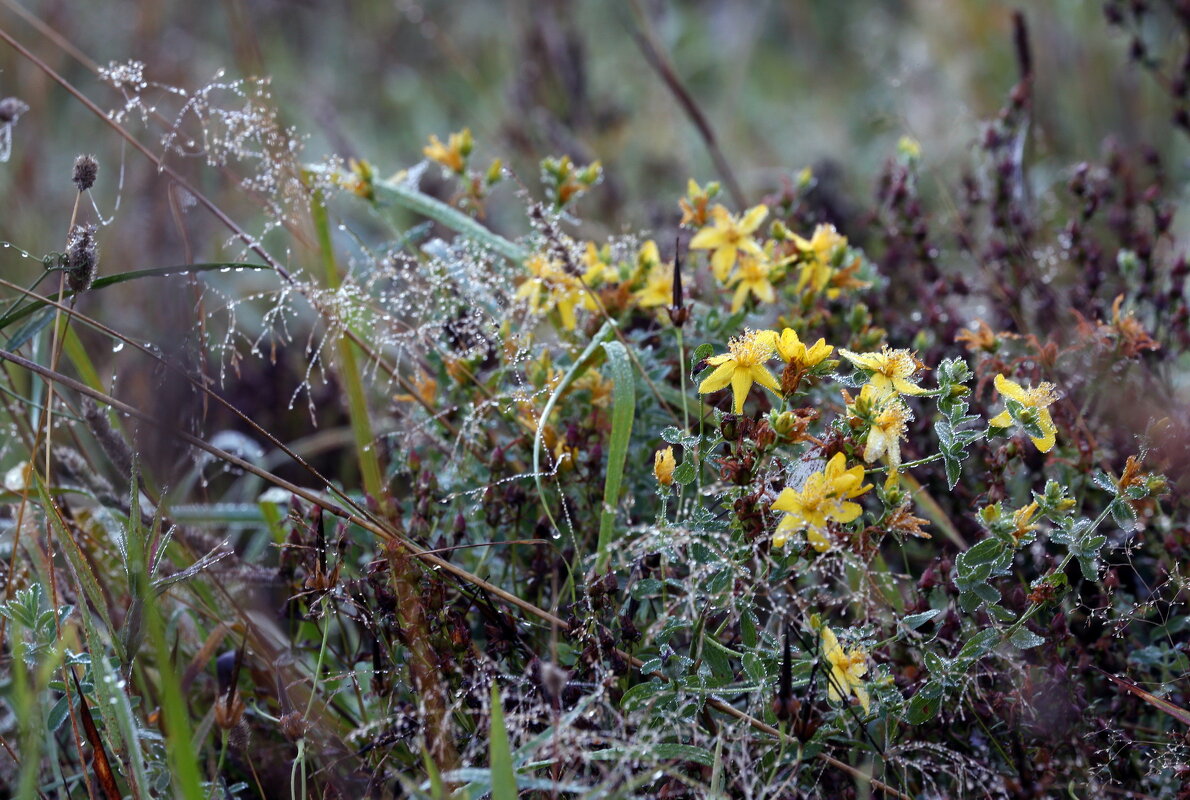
769 502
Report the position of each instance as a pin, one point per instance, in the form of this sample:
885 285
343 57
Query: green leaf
1025 639
954 469
684 473
638 696
979 645
915 621
623 413
31 328
702 352
58 714
748 632
412 198
667 751
1124 515
983 552
936 665
122 277
925 704
500 753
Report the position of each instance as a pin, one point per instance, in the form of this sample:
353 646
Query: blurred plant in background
613 402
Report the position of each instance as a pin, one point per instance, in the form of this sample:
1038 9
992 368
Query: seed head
11 109
85 170
82 257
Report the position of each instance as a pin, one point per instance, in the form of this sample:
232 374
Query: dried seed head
82 257
11 109
85 170
293 726
228 711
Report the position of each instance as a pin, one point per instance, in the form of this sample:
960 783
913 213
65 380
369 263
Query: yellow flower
694 204
551 286
741 366
658 289
728 236
909 148
1022 521
819 253
887 416
424 387
754 277
792 351
663 466
847 670
823 245
890 369
599 266
360 179
825 496
453 155
648 256
1035 402
599 387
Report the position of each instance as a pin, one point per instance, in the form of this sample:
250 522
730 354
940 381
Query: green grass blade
503 776
179 747
123 277
623 414
357 400
410 197
575 370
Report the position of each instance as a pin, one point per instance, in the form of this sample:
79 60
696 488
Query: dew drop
117 347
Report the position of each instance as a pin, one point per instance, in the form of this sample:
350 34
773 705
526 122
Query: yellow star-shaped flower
452 155
551 286
847 670
753 276
742 366
887 417
825 496
728 236
890 370
1035 401
792 351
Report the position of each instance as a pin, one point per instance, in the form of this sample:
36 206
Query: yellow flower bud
663 466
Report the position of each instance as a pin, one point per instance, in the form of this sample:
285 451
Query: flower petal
753 218
761 375
719 378
861 694
905 387
737 300
1011 389
786 501
707 239
1046 443
1001 420
763 291
819 542
741 384
830 643
847 512
722 261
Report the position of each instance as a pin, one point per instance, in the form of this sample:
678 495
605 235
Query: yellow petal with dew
719 378
1001 420
1011 389
755 216
761 375
707 239
722 261
741 384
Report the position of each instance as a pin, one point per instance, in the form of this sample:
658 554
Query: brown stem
658 60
